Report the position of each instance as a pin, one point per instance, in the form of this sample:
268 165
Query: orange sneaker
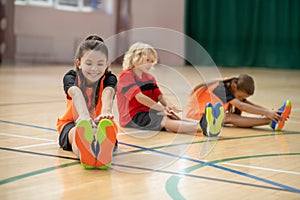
285 113
84 139
106 140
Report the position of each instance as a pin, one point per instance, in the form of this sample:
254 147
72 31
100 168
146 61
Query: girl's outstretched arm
168 106
107 104
249 108
79 103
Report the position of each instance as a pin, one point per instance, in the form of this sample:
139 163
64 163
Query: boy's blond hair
136 53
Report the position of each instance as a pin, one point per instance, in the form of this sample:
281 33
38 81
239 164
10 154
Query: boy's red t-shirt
129 85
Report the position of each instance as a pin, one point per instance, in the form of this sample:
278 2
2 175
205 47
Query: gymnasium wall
46 34
50 35
256 33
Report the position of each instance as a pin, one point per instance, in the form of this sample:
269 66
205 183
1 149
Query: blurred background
252 33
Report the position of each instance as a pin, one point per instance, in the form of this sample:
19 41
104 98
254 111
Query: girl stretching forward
232 92
87 127
142 105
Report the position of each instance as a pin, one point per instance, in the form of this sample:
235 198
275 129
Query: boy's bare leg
246 122
181 126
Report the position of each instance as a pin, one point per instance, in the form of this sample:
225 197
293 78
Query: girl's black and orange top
107 80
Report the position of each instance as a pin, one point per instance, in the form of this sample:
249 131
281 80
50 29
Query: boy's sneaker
212 120
84 139
285 113
219 115
106 140
206 121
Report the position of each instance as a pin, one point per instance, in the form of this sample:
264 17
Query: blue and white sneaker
212 120
285 110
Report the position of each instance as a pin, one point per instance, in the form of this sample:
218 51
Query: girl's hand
104 116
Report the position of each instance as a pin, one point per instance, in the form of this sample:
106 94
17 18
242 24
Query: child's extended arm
246 107
247 101
107 104
170 108
167 104
145 100
79 103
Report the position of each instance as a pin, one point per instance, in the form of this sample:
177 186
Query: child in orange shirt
87 127
232 93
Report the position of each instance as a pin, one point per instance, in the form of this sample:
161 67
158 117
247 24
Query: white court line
132 132
27 137
43 139
262 168
52 141
35 145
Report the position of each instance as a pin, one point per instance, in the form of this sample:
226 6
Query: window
67 4
83 5
35 2
96 4
20 1
74 5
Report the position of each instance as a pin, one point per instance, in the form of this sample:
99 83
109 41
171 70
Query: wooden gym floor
241 164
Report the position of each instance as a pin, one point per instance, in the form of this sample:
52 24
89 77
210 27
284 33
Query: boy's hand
274 115
173 115
172 111
172 108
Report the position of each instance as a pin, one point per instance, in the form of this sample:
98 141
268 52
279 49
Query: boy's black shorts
146 120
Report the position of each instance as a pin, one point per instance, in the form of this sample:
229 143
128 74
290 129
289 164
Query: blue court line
38 154
173 182
28 103
181 174
295 190
213 140
177 174
28 125
285 187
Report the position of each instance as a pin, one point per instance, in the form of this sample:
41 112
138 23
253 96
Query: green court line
132 167
33 173
158 147
134 151
200 177
172 145
172 183
119 154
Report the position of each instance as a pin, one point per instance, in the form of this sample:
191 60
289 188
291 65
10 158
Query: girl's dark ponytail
94 37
